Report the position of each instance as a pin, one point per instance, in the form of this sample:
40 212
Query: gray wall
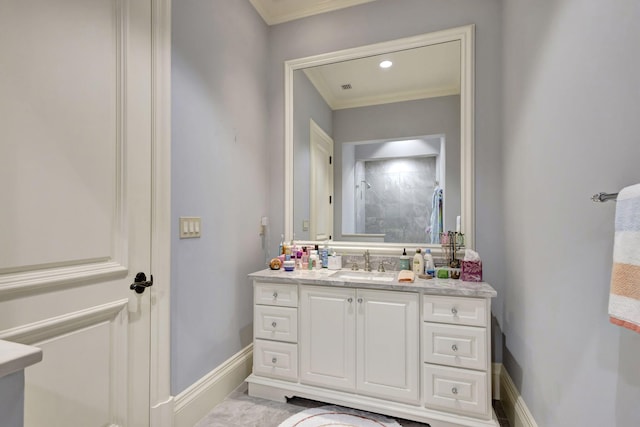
403 119
571 129
384 20
220 164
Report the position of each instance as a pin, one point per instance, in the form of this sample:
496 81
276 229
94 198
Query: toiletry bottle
418 262
281 248
404 261
429 265
324 254
313 260
305 258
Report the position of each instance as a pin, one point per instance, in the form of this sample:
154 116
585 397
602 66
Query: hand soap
404 261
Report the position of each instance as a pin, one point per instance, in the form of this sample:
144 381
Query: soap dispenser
404 261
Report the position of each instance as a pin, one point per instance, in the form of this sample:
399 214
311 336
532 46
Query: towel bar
604 197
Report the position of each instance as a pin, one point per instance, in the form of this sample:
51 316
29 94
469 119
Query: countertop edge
15 357
427 286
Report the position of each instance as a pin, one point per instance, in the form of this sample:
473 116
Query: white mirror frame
463 34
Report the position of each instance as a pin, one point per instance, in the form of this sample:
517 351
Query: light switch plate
190 227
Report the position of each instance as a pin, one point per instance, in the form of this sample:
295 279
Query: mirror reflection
325 130
376 150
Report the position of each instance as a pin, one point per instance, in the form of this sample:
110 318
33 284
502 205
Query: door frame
161 401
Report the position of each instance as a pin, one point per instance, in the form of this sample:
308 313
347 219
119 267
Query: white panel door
388 352
75 205
327 337
321 184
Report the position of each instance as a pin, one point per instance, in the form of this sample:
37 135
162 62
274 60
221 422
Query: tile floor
241 410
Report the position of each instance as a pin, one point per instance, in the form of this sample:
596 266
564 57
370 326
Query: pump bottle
429 265
418 262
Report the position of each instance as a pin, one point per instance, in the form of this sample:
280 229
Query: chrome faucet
367 261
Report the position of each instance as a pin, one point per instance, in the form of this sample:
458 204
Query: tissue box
471 271
335 262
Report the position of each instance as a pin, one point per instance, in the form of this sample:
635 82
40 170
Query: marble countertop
375 280
15 357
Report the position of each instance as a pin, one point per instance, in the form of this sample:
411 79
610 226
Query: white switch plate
190 227
305 225
264 221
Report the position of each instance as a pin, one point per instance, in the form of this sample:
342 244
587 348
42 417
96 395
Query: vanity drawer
454 345
275 359
276 294
275 323
457 390
456 310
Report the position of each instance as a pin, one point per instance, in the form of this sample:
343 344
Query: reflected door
321 184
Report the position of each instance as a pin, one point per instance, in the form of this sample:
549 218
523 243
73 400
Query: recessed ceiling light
386 64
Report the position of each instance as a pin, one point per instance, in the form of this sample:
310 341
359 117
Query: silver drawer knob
454 311
453 347
350 300
274 360
274 325
360 300
275 294
454 390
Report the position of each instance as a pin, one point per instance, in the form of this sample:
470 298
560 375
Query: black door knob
140 283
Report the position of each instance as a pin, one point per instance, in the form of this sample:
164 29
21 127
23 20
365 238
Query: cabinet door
387 344
327 337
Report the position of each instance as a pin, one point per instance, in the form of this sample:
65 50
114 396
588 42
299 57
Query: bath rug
337 416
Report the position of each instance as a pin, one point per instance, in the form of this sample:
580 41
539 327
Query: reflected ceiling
419 73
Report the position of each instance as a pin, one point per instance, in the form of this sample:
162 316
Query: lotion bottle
418 262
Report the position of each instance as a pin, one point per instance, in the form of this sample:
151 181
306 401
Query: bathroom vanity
419 351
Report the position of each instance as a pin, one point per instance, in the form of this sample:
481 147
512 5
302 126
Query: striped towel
624 300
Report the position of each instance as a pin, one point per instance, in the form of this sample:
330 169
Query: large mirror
381 157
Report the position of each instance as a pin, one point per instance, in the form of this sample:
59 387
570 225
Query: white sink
369 276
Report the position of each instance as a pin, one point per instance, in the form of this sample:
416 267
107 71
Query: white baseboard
496 369
162 414
195 402
513 403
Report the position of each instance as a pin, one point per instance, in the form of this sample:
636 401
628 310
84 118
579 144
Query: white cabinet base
279 391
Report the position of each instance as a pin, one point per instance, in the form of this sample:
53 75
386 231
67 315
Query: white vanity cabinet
419 351
275 331
456 371
360 340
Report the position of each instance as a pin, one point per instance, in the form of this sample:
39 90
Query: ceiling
279 11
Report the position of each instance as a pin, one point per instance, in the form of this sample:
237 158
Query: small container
442 273
289 265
